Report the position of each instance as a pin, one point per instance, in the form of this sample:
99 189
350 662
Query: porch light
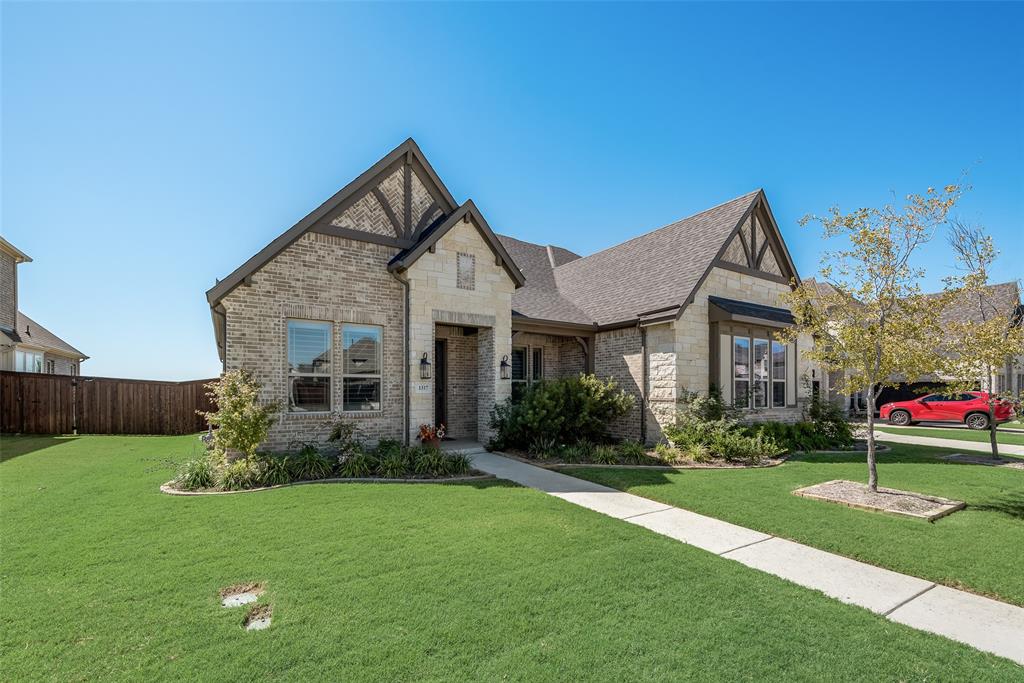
506 368
424 367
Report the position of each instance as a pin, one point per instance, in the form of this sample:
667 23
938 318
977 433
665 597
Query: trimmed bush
358 465
565 410
632 452
606 455
309 464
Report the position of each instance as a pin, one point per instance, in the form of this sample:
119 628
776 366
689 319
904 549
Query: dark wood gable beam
389 210
407 184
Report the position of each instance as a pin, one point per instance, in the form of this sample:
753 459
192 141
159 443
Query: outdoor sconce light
424 367
506 368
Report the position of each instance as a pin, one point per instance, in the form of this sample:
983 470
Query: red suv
970 408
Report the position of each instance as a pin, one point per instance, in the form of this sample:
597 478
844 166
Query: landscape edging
171 491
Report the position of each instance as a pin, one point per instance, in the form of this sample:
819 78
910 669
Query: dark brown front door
440 382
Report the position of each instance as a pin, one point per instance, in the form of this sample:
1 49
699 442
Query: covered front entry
456 376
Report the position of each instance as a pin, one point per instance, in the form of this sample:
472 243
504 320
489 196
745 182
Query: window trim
772 380
534 375
749 402
735 379
379 375
22 355
290 373
766 382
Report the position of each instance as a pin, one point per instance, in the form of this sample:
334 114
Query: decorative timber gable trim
428 239
392 203
756 248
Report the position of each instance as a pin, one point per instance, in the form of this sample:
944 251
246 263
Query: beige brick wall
618 355
62 365
562 356
8 291
435 297
461 380
324 278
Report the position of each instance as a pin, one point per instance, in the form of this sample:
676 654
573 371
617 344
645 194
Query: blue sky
150 148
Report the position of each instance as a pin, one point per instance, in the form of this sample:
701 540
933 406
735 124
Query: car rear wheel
900 418
977 421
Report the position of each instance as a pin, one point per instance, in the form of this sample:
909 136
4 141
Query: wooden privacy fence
32 403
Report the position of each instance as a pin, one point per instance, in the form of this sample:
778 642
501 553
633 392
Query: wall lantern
506 368
424 367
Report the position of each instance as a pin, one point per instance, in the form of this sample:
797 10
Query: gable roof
660 270
1001 299
18 254
27 331
408 149
539 298
468 211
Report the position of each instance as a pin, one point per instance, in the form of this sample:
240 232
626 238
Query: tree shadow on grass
12 446
1011 504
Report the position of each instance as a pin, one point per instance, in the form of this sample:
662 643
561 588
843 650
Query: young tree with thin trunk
992 336
877 327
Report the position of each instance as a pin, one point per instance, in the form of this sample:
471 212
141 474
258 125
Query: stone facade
320 278
8 291
435 297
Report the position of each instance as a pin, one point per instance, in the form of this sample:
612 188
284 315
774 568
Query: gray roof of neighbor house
999 299
29 332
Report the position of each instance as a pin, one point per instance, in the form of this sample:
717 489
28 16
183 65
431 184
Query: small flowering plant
429 433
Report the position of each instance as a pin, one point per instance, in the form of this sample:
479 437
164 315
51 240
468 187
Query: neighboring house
394 305
1001 299
25 345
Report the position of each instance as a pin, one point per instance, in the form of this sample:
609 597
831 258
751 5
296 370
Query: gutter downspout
643 385
405 351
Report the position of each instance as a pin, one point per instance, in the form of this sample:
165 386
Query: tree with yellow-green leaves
991 336
875 326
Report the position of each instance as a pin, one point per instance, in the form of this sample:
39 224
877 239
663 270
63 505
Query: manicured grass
106 578
978 549
1009 438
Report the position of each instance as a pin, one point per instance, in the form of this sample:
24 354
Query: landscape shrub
667 452
564 410
242 422
392 465
705 429
544 447
238 475
632 452
829 420
195 474
308 463
606 455
457 465
269 469
358 465
697 452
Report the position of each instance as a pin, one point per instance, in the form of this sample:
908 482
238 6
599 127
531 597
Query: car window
967 397
934 398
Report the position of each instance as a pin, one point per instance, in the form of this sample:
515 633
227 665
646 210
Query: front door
440 382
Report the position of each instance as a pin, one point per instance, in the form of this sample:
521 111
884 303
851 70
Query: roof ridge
667 225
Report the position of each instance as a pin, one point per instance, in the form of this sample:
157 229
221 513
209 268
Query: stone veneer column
488 377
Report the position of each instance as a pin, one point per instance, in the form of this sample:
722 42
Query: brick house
25 345
395 305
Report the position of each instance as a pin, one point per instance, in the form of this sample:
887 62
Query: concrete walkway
973 446
982 623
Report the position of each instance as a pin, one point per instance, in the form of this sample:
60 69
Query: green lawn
1009 438
103 577
978 549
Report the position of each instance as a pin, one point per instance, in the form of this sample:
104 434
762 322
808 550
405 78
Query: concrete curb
171 491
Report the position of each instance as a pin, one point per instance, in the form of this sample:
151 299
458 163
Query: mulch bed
906 503
716 464
475 475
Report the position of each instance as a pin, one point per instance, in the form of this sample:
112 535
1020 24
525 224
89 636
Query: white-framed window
309 366
28 361
778 374
741 371
361 348
51 367
537 364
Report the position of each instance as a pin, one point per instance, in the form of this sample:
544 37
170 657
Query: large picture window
361 367
741 371
28 361
309 366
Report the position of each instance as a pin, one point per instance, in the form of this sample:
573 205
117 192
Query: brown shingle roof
1000 299
28 331
654 271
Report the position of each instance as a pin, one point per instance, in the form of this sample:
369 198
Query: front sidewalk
982 623
974 446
